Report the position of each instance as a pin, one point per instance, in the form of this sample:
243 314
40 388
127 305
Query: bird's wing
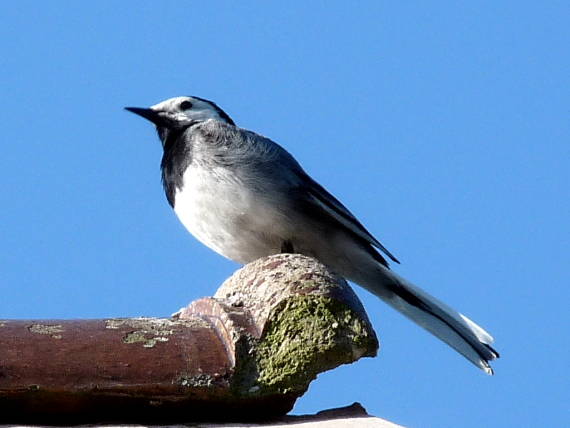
333 207
276 160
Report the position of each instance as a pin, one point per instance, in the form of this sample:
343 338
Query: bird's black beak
147 113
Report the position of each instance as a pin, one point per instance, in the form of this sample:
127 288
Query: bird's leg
287 247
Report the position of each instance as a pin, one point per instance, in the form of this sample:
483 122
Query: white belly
222 215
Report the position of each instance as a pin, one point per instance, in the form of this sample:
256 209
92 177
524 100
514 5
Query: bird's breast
222 212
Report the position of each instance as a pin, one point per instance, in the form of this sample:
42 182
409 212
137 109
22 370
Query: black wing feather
334 207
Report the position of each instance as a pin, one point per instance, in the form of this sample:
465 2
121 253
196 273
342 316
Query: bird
246 197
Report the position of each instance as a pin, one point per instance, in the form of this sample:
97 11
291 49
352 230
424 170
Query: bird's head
177 114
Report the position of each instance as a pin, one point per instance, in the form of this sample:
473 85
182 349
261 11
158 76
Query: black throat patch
176 158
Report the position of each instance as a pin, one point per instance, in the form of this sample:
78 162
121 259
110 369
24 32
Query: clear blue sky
444 126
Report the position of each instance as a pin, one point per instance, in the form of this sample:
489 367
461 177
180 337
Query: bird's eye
185 105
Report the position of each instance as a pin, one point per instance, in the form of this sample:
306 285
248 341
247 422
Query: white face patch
200 110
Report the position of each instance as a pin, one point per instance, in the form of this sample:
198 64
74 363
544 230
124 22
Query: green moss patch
306 336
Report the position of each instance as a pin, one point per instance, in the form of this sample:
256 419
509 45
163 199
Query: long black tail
455 329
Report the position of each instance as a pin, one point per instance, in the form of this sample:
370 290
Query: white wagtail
246 197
